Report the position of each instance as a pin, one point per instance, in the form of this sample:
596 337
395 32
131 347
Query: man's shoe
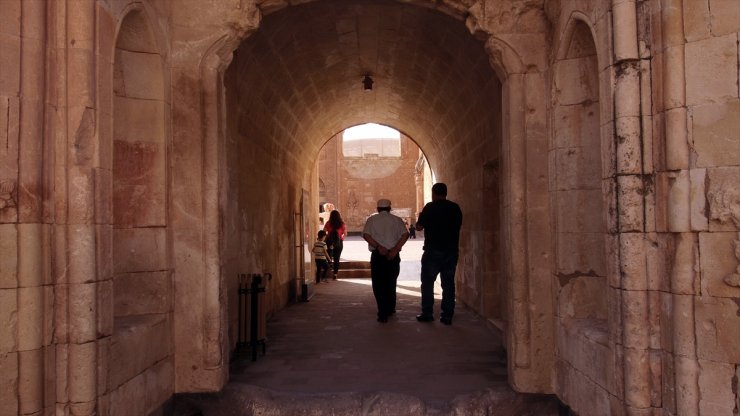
424 318
446 321
383 319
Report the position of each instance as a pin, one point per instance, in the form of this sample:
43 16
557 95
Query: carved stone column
35 355
78 104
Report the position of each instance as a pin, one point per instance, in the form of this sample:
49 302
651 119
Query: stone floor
330 356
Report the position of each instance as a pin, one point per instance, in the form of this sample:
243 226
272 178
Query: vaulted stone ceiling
298 79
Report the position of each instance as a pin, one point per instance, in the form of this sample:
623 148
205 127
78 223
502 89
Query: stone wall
698 176
664 347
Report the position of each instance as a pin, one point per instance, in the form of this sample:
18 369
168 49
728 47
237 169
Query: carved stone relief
733 279
724 206
7 194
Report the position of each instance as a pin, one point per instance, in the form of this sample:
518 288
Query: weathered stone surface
9 257
141 75
139 184
699 221
723 16
50 377
104 251
629 152
696 20
138 342
30 250
81 244
142 293
637 392
582 394
583 297
9 63
144 393
576 82
138 120
715 133
711 64
723 198
82 312
30 381
9 383
578 168
579 211
8 320
718 388
581 253
633 261
635 319
10 20
583 343
139 249
30 318
717 329
104 297
658 262
719 260
82 361
630 191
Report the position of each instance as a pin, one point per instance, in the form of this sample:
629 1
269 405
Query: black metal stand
252 312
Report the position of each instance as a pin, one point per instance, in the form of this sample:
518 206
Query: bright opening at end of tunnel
370 131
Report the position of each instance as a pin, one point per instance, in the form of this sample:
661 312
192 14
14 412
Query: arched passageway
286 91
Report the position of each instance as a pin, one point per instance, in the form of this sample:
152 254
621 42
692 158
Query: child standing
321 257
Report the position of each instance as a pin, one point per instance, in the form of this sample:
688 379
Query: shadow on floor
330 356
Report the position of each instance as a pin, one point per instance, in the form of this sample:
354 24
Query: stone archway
529 326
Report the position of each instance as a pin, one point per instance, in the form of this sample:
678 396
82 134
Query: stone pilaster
80 138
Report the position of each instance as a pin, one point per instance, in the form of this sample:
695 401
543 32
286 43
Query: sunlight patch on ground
407 288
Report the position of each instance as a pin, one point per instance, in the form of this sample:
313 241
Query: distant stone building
353 175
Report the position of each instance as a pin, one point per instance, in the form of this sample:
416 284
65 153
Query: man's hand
392 253
382 250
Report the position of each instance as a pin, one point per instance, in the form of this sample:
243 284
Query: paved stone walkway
333 347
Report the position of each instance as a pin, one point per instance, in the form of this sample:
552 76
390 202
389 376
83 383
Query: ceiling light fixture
367 83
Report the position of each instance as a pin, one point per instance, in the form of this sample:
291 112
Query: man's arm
393 252
373 243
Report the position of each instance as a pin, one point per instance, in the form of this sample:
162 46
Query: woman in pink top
336 230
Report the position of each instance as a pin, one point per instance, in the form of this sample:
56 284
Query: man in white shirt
385 234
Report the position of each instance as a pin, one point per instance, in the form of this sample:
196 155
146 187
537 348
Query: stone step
354 269
354 264
354 273
238 399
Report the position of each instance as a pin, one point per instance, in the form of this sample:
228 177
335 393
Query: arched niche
578 202
142 281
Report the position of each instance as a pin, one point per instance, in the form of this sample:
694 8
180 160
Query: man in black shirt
441 220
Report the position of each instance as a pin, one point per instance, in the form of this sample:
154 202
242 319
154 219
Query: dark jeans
435 262
384 275
335 253
322 266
